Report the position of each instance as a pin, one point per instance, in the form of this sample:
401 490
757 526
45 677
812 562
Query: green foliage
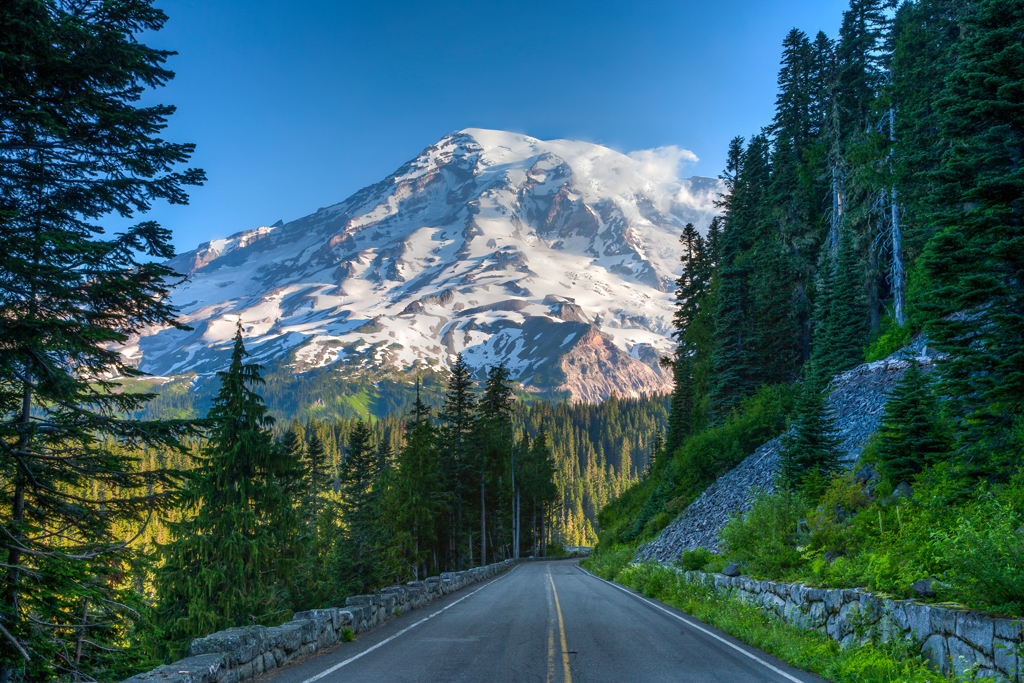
912 435
809 453
695 560
984 549
231 562
872 662
765 538
976 310
892 339
705 456
75 147
608 561
347 635
648 506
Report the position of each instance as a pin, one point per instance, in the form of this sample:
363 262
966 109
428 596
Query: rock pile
857 400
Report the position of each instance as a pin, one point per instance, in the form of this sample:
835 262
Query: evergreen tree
421 499
358 500
840 330
912 435
74 147
809 452
926 40
691 290
733 355
792 105
317 480
976 258
316 515
494 439
458 418
539 488
229 563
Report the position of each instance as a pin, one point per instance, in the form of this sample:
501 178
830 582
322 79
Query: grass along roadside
873 662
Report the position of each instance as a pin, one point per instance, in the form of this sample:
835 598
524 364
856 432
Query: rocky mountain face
857 401
555 257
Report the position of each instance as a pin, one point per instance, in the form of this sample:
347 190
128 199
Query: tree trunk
13 582
874 304
483 522
543 533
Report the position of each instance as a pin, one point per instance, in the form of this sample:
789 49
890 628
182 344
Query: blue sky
296 105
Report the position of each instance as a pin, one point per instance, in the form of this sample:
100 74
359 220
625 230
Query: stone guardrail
239 654
953 640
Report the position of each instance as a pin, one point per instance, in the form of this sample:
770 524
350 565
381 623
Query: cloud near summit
661 164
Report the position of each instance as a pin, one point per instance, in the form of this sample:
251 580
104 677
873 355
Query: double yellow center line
566 675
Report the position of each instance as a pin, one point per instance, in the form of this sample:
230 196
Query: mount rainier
557 257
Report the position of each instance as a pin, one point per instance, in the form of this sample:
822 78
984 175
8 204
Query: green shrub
556 550
607 562
985 555
765 538
891 340
695 560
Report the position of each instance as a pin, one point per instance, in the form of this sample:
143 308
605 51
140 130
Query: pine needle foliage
75 146
913 435
230 562
809 452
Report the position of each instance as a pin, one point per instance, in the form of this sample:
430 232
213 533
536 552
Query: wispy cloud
662 164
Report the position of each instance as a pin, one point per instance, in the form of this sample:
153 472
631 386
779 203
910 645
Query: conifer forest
884 202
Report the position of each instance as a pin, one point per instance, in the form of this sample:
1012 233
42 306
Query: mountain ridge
555 257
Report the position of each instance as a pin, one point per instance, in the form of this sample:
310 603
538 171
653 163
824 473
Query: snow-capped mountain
557 257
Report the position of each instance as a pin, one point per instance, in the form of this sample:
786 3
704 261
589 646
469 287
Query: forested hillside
883 200
599 450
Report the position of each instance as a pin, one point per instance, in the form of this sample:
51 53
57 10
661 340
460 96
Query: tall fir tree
691 291
493 453
421 499
230 562
809 453
733 359
458 424
840 329
74 148
976 258
913 435
358 501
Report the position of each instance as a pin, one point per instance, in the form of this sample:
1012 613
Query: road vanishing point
547 622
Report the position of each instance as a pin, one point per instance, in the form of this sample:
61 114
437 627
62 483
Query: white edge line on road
699 628
367 651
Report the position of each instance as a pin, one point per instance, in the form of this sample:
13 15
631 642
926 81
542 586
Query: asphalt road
543 621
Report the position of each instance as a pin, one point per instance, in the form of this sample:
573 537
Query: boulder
733 569
925 588
865 475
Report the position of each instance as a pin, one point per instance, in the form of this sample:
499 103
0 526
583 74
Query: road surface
549 622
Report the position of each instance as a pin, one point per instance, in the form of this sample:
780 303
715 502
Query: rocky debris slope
857 400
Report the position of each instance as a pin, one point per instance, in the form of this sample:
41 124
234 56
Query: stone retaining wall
953 640
238 654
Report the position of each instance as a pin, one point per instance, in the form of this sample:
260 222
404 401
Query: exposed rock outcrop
595 368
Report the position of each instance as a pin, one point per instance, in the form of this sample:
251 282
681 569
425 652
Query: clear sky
295 105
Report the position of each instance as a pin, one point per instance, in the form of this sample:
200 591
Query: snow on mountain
557 257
